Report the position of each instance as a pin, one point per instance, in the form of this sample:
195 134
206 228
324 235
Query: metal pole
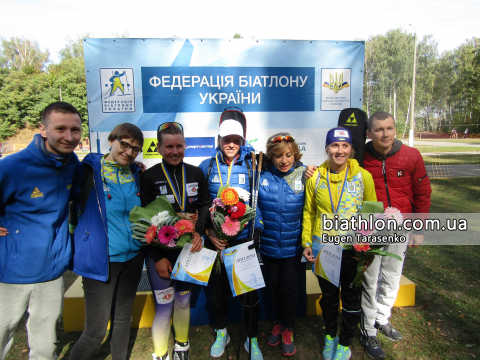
412 105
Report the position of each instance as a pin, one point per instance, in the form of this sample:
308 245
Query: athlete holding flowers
339 186
184 185
231 164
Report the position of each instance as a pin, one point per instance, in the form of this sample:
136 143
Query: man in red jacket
401 181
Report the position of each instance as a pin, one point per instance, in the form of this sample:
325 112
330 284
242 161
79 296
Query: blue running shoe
256 353
218 347
342 353
330 347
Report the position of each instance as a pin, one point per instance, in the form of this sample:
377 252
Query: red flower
241 208
151 233
361 247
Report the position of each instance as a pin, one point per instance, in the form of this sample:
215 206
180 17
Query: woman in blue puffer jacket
280 201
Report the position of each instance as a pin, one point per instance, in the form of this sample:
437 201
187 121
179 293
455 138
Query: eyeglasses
168 124
279 139
125 146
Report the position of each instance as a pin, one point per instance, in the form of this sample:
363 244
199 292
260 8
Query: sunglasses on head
279 139
168 124
125 146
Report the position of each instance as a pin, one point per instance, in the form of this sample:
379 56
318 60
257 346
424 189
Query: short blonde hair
281 147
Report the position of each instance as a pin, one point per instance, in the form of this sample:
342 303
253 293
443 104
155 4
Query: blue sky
51 22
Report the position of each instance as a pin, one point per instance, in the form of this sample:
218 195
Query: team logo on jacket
241 179
163 189
215 179
36 194
400 173
192 189
265 182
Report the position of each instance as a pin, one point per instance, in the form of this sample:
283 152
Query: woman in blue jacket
230 164
280 201
106 255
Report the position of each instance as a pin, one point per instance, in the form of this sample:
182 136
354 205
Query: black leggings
351 301
281 277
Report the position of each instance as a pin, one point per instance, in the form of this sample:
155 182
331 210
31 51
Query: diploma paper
243 269
328 260
194 267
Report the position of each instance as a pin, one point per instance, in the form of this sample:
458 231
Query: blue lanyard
180 201
335 211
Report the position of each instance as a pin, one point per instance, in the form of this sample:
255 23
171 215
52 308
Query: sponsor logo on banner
199 146
302 146
165 296
192 189
150 149
117 89
335 89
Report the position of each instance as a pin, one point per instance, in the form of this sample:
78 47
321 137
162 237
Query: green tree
20 53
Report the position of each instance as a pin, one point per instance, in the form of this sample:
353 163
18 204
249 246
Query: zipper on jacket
384 172
101 215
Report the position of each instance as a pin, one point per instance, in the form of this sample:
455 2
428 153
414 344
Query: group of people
38 184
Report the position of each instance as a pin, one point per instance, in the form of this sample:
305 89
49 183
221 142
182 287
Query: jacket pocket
31 254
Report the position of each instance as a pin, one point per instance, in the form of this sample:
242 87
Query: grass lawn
444 324
429 149
452 159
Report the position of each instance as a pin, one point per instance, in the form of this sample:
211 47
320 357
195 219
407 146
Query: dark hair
61 107
126 131
279 148
379 115
171 130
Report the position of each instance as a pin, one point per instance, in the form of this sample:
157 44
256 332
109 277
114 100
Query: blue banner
294 86
210 89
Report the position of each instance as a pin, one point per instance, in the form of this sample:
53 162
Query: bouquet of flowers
365 253
230 213
158 224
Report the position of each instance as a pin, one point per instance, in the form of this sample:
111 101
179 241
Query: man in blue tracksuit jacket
35 248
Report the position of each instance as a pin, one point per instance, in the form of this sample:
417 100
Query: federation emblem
117 88
336 84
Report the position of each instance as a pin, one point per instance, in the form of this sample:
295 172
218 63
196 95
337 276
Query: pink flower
365 229
167 234
183 226
395 214
230 227
151 233
219 202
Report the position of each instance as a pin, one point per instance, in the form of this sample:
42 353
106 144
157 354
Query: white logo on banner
165 296
340 133
117 89
336 85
